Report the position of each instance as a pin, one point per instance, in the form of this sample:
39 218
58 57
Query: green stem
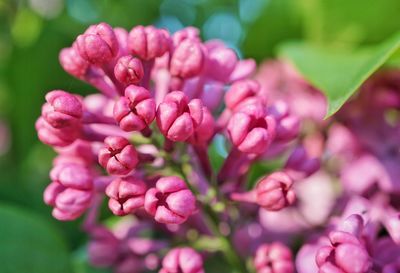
228 248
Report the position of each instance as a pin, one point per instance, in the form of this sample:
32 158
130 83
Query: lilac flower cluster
355 195
142 144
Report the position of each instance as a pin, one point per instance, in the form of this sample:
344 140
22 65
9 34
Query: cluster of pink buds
142 145
344 165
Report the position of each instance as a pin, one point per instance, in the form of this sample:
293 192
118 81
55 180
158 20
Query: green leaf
217 153
30 244
339 22
260 169
338 73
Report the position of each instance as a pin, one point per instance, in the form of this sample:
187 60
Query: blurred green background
32 32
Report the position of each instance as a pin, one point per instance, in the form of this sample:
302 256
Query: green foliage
260 169
343 22
30 244
279 21
339 73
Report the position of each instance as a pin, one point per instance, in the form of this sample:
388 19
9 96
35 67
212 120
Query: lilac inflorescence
142 144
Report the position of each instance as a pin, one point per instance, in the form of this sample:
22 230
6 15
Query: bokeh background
32 32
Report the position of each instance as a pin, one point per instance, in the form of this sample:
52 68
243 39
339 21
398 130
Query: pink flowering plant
186 142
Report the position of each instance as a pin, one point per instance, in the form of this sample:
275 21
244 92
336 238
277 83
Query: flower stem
212 219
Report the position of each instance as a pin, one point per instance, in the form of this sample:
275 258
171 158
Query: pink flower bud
51 192
78 149
346 253
70 193
136 110
72 176
148 42
73 63
187 59
239 92
122 37
274 192
287 126
300 164
58 137
119 157
250 130
205 130
178 118
221 61
71 203
184 260
170 202
191 33
62 109
98 44
126 195
243 69
274 258
128 70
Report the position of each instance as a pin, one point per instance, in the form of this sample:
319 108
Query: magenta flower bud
187 59
178 118
287 126
122 37
148 42
170 202
274 192
205 130
274 258
128 70
62 109
126 195
70 193
78 149
59 137
136 110
71 203
184 260
118 157
239 92
300 163
51 192
191 33
72 176
353 224
73 63
98 44
250 131
221 61
346 253
243 69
